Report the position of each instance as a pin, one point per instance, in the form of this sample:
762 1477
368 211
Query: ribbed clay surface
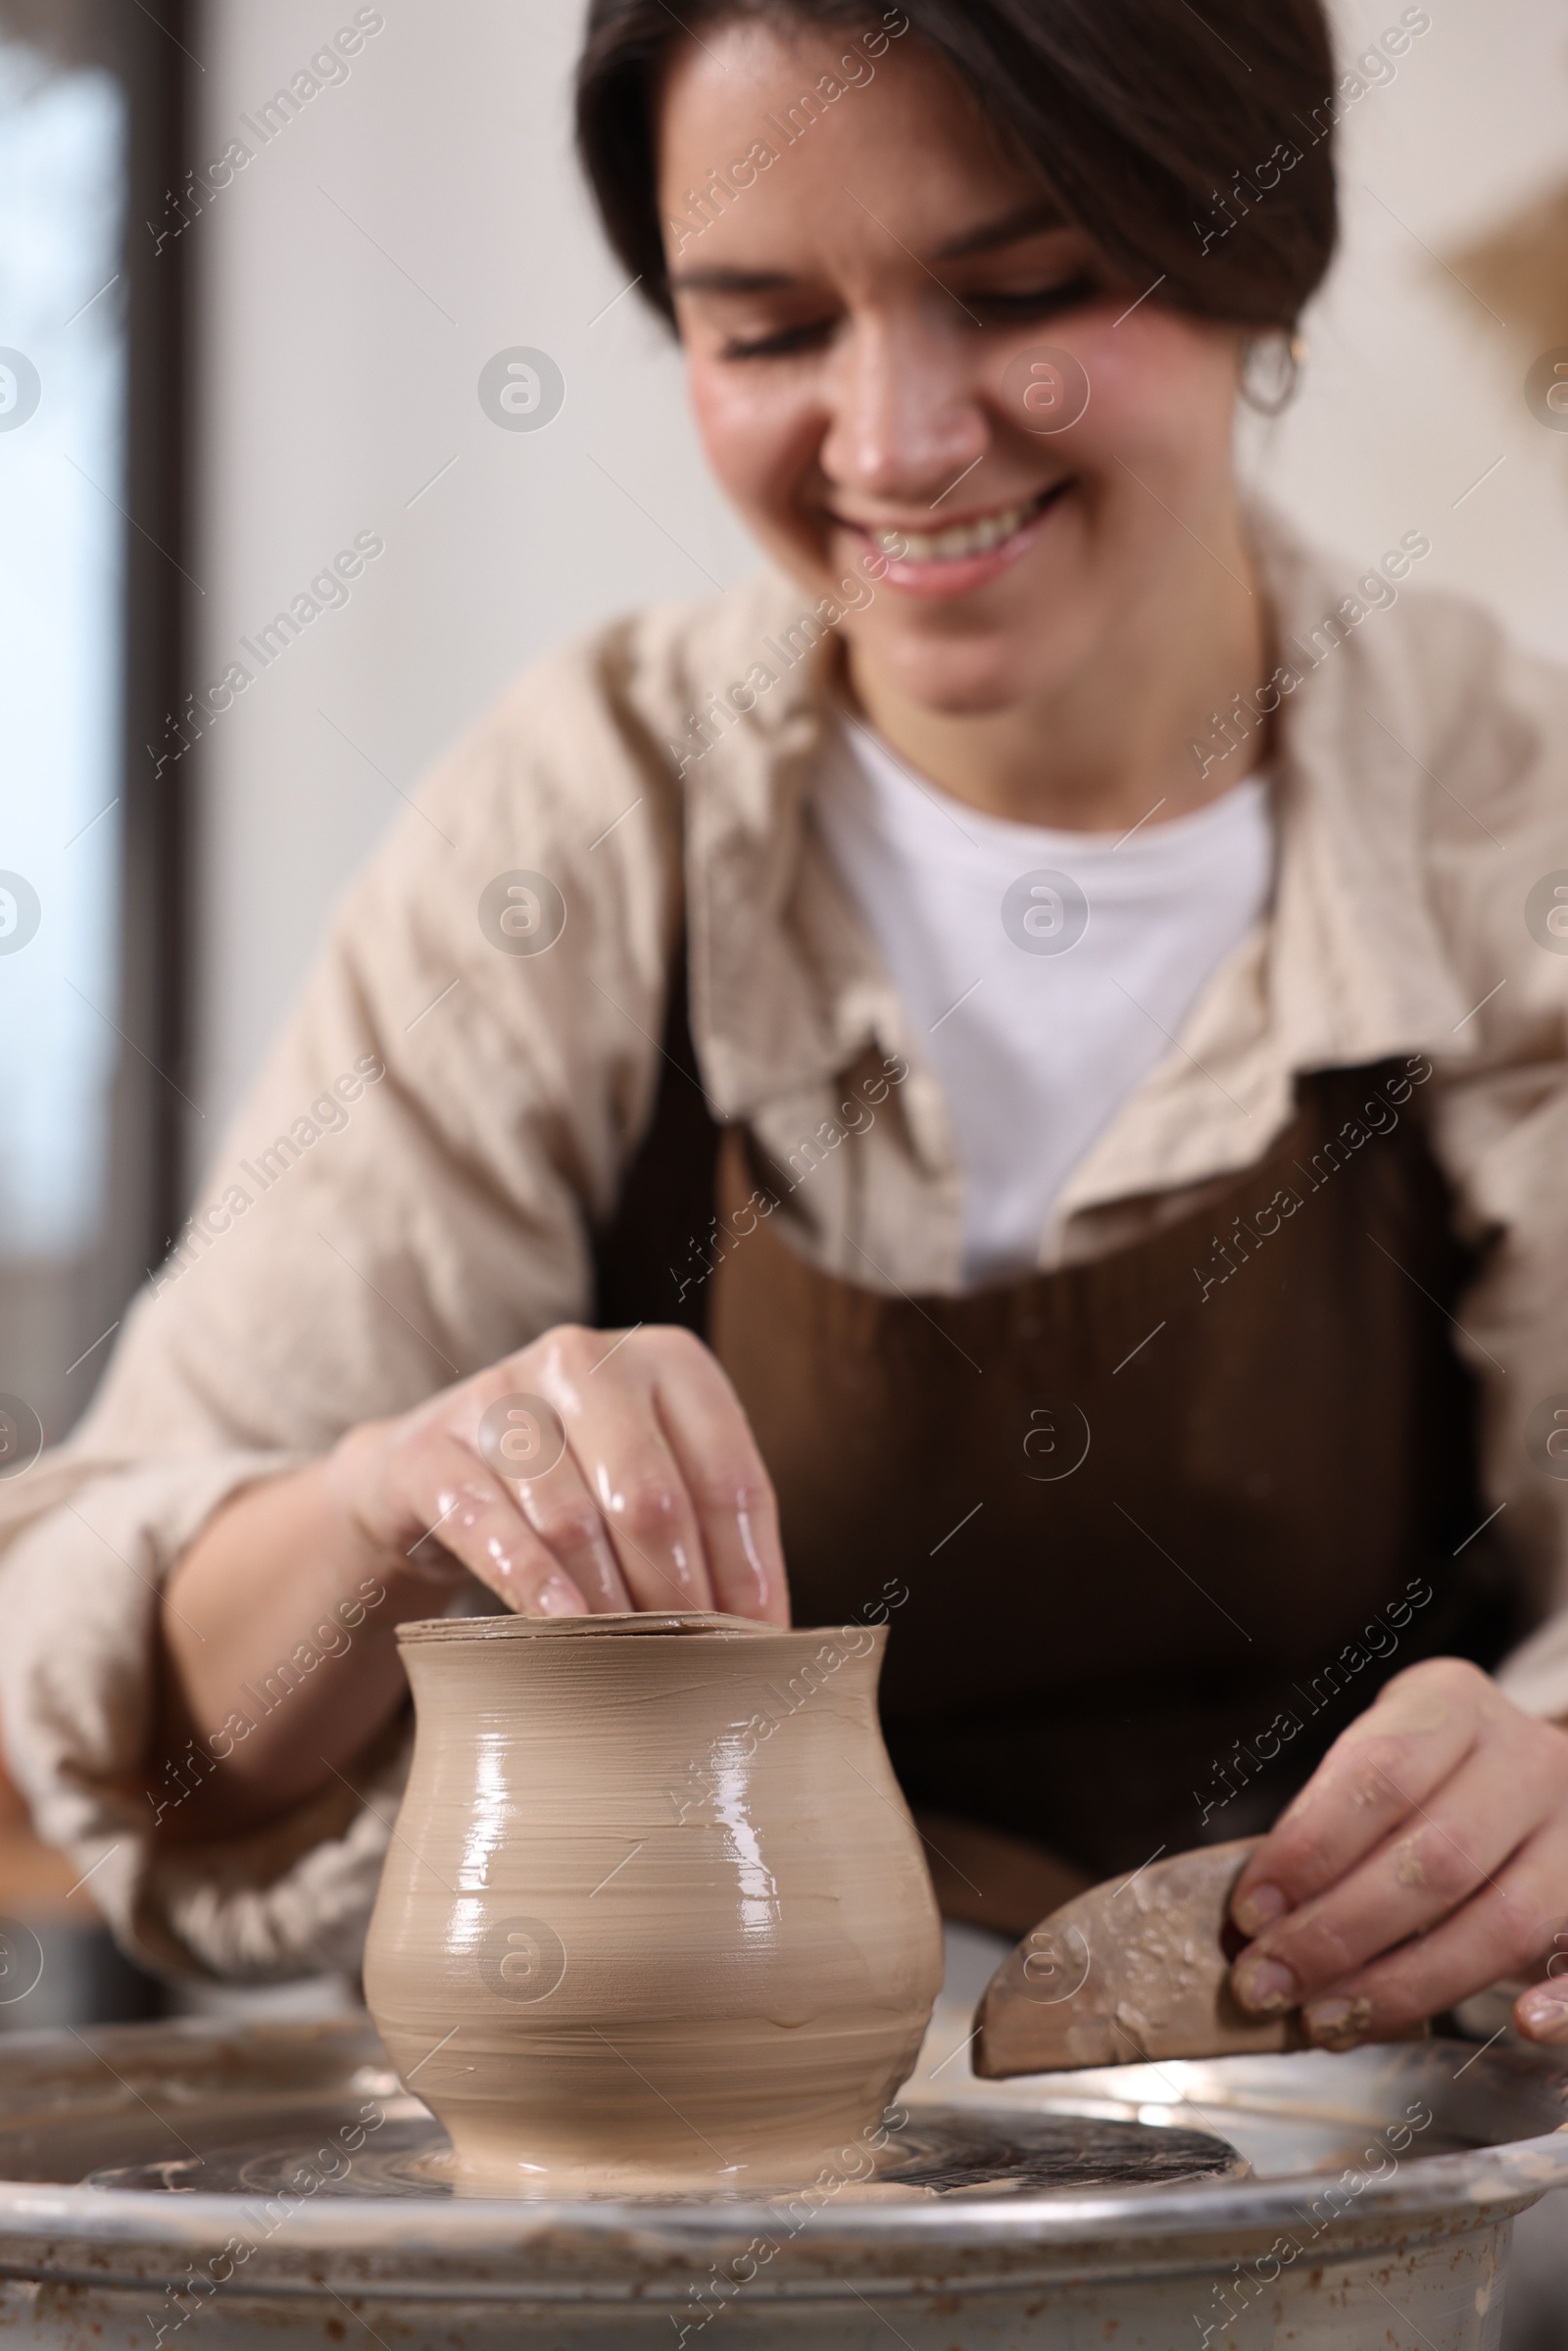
654 1914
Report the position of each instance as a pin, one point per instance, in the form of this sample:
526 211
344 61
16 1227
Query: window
91 611
92 596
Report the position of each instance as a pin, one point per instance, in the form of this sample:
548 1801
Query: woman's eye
1037 301
810 334
783 343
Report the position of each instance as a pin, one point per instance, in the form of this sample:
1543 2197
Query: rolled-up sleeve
1513 1332
82 1593
407 1196
1498 830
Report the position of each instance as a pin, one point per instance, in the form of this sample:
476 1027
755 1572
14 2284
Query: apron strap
649 1258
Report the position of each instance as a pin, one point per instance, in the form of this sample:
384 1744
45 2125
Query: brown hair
1145 119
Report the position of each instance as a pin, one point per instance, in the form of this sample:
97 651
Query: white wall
342 367
339 380
1413 388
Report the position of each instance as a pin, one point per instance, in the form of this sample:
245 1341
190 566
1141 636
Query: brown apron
1165 1520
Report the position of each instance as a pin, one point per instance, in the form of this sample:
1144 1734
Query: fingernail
1259 1908
559 1597
1544 2011
1337 2023
1266 1985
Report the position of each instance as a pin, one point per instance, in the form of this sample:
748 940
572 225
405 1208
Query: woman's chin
973 681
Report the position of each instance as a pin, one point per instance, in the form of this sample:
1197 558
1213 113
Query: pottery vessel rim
527 1628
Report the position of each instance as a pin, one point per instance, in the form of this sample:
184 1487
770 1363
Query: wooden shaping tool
1128 1971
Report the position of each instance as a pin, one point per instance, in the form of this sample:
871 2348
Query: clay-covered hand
592 1471
1426 1859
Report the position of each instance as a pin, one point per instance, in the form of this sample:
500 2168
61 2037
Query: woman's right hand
591 1471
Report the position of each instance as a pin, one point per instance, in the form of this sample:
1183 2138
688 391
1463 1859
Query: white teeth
962 539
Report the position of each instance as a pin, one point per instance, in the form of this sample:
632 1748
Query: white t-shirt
1045 972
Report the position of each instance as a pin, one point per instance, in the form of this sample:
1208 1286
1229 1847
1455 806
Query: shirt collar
1348 967
787 990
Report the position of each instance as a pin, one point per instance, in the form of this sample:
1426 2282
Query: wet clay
1137 1970
1125 1973
654 1916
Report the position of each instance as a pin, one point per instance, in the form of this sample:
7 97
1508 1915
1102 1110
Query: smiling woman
933 819
855 318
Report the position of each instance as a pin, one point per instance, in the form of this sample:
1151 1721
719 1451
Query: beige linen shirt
409 1191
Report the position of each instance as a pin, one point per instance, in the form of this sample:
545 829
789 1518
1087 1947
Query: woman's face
860 315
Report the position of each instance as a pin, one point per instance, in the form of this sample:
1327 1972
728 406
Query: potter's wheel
941 2151
1376 2211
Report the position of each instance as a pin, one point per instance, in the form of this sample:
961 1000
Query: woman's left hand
1426 1858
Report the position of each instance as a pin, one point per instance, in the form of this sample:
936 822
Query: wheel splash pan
1383 2149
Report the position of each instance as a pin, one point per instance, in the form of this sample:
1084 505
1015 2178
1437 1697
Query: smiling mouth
961 540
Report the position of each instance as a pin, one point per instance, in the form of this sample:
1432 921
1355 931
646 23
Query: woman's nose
905 420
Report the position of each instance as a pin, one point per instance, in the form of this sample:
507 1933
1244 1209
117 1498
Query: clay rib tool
1127 1971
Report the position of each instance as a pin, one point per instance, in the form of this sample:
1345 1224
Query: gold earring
1273 395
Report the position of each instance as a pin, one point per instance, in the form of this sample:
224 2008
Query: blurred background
253 265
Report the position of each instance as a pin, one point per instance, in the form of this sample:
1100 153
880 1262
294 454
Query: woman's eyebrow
720 281
1043 212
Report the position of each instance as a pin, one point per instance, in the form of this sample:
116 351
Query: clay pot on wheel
653 1915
